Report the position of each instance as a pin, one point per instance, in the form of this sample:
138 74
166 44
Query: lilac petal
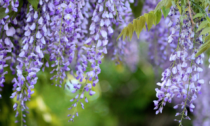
104 33
7 41
36 15
92 27
7 10
38 49
99 43
33 26
107 22
40 21
27 33
25 47
43 40
88 41
105 42
31 40
22 54
101 8
110 30
6 27
91 92
29 19
86 100
10 31
38 35
44 29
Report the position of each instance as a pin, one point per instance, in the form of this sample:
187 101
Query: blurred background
124 97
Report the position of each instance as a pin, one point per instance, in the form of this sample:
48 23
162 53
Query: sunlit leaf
198 15
150 20
165 11
125 32
205 31
130 30
162 3
202 25
158 15
203 48
2 13
141 24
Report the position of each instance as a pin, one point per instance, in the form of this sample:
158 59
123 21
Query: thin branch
193 23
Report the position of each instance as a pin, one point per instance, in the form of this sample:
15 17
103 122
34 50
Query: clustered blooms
117 48
7 3
202 111
123 50
182 79
173 45
70 36
157 38
6 45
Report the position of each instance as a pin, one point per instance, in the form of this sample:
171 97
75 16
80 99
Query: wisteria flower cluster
73 36
70 36
175 51
157 38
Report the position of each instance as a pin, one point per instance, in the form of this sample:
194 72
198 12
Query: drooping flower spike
74 34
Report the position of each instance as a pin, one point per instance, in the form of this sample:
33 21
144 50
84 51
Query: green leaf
208 19
142 23
158 15
162 3
146 19
130 30
169 4
183 3
202 25
198 15
125 32
2 13
165 11
140 26
120 34
135 24
150 20
203 48
207 38
146 16
34 3
205 31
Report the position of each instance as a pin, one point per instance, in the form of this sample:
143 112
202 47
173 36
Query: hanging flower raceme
118 48
7 3
6 45
92 49
29 60
202 112
156 37
181 79
59 29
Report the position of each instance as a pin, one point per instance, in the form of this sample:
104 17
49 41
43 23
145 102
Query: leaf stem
193 23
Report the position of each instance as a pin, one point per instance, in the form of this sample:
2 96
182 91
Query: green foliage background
124 98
